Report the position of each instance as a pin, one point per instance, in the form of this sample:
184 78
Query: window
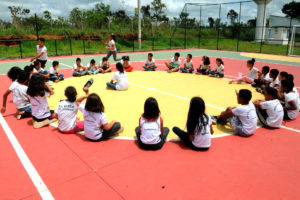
287 34
269 33
276 31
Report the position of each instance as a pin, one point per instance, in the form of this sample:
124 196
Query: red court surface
264 166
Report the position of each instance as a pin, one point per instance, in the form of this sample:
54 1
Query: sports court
46 164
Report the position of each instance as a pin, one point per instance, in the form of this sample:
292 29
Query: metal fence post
218 27
70 40
199 35
133 45
36 27
171 42
262 30
152 43
55 47
20 47
83 46
239 34
290 31
185 27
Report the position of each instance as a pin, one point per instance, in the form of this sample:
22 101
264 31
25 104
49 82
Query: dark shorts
43 62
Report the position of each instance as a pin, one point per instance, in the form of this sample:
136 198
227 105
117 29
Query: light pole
139 24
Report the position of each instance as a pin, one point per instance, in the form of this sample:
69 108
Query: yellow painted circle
272 57
172 91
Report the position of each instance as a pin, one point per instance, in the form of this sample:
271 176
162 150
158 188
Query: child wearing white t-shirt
151 133
150 63
204 67
253 71
242 119
78 69
119 80
66 111
270 112
188 65
96 126
53 72
19 90
38 91
104 65
92 67
174 65
199 127
291 99
219 71
42 56
274 79
111 46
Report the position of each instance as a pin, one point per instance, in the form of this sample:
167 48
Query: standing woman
111 45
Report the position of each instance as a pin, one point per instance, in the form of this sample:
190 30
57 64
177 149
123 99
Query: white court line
31 171
291 129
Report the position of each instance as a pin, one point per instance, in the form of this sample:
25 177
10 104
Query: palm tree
232 15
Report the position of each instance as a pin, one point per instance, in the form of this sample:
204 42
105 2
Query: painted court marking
30 169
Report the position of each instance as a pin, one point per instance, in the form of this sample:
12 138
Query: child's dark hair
37 86
78 59
151 109
35 63
284 74
290 77
23 77
55 63
125 58
104 59
196 115
42 39
28 68
92 61
251 62
246 95
272 91
71 93
190 56
150 54
177 54
113 36
274 72
94 104
266 69
288 84
120 67
14 73
206 60
220 61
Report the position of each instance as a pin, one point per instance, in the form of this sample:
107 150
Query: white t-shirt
39 106
275 112
53 71
35 71
75 67
43 49
274 82
67 113
122 62
110 44
20 97
150 130
204 66
202 138
175 62
152 62
253 73
187 64
247 116
220 68
93 123
266 77
89 66
121 79
290 97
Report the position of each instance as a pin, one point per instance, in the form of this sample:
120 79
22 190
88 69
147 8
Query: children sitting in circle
253 71
188 65
174 65
150 63
219 71
204 67
119 80
151 133
126 64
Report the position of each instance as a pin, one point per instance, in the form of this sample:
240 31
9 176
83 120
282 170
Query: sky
174 7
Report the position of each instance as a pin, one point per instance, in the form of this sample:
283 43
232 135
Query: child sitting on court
151 133
252 74
263 77
150 63
270 111
38 91
18 88
274 83
92 67
219 71
291 100
79 69
188 65
96 126
53 72
126 64
173 66
66 111
119 80
104 65
199 127
204 67
243 119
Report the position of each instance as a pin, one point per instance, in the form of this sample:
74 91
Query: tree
158 10
251 22
76 17
15 11
48 17
232 15
292 9
211 22
146 11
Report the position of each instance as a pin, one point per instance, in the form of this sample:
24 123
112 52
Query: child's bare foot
120 130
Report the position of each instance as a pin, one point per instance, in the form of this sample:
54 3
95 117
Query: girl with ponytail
253 72
119 80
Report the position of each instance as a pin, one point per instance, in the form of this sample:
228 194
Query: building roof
277 21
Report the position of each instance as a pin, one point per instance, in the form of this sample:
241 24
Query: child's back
202 138
20 97
67 113
150 130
